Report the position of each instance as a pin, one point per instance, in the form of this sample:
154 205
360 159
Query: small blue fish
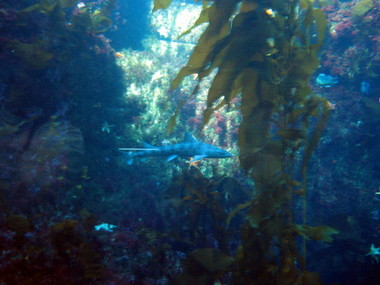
365 87
105 227
191 147
325 80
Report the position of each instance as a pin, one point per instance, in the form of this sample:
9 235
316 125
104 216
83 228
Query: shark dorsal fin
189 138
146 145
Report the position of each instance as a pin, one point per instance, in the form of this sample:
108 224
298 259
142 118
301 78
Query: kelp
35 55
87 19
161 4
323 233
46 6
203 266
205 203
37 51
265 52
218 18
200 205
98 21
362 7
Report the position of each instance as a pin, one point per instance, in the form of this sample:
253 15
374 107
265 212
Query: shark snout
221 153
227 154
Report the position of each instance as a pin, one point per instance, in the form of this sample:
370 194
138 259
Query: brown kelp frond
204 266
34 54
323 233
161 4
265 52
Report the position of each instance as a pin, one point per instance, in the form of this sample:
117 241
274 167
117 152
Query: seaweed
362 7
34 54
161 4
265 53
204 202
98 21
204 266
87 18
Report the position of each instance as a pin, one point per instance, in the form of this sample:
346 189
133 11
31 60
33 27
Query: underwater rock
55 149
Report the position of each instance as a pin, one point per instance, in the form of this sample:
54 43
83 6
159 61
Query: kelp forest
276 181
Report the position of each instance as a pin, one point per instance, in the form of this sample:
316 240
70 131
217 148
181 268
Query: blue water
75 87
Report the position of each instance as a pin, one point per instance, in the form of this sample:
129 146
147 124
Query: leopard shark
190 147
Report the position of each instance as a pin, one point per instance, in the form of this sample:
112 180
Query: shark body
191 147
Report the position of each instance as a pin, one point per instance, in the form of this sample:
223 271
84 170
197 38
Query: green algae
362 7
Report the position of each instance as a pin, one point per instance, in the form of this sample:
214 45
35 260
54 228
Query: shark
190 147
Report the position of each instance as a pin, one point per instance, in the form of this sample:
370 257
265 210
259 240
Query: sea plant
265 52
85 18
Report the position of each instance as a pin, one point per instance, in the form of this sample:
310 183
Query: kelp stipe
266 53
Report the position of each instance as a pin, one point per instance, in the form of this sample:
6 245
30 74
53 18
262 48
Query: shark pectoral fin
128 155
198 157
172 157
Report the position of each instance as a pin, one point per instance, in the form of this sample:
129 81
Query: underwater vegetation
64 251
52 52
56 66
352 47
267 56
